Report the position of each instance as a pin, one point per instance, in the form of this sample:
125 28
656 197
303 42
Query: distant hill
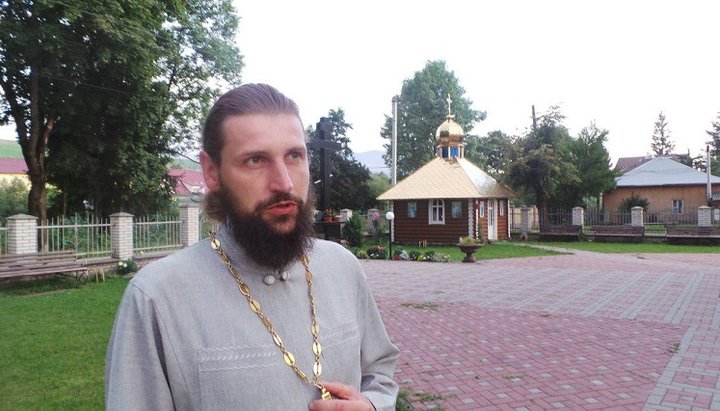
373 160
10 149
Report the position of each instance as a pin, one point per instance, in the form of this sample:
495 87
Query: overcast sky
616 62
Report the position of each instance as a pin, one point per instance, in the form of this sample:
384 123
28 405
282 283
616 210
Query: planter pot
469 250
327 218
337 218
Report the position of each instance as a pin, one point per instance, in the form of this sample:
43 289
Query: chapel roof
448 178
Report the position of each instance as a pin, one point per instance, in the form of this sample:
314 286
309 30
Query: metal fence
671 217
156 233
515 217
88 236
556 217
3 240
206 226
595 216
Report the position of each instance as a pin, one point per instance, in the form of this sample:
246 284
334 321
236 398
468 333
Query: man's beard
261 241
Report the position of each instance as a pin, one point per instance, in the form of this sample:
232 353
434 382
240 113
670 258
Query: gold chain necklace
255 307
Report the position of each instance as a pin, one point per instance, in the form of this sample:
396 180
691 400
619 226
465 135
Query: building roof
625 164
454 178
188 182
663 171
13 166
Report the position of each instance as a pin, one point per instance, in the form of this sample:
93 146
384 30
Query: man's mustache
278 198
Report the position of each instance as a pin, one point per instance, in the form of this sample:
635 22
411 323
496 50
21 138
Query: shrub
361 255
633 201
127 267
377 252
414 255
353 231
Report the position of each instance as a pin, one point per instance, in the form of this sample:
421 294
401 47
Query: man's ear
211 171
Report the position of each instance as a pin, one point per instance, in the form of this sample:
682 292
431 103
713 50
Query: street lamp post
390 216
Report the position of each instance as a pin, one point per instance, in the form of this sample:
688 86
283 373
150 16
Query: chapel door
492 220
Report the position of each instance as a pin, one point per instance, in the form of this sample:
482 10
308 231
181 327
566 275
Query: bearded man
261 316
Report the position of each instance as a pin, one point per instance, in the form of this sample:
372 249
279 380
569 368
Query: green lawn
54 333
52 345
10 149
624 248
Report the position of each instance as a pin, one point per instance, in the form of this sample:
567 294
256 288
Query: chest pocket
256 377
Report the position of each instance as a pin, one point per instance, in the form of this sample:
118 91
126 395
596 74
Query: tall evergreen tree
423 106
714 143
662 145
593 163
714 134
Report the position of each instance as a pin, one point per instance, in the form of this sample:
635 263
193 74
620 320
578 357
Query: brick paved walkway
580 331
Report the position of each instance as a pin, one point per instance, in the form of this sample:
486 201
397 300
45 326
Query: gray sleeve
379 357
135 367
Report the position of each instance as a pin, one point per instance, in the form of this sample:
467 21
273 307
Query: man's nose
280 180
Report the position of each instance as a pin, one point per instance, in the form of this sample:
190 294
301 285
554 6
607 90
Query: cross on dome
449 101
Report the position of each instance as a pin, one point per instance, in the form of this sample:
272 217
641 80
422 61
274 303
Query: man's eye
254 160
295 155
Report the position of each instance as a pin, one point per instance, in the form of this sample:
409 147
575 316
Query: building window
437 212
677 206
482 209
456 211
502 207
411 209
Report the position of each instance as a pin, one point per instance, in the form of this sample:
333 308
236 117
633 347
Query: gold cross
449 101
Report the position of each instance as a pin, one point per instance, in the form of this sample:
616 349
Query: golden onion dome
449 130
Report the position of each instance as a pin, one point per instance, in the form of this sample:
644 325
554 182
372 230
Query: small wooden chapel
449 197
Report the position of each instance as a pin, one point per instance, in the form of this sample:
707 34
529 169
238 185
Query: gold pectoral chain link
255 307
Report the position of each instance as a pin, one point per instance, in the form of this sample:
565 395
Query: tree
492 152
13 198
661 143
348 183
715 146
593 163
124 82
543 164
423 106
377 184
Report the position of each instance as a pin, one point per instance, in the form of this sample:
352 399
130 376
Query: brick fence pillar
121 235
578 216
636 216
189 224
22 235
704 216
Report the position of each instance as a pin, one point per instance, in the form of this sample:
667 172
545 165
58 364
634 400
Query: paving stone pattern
578 331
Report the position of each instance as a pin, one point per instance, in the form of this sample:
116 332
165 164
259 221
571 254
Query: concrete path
579 331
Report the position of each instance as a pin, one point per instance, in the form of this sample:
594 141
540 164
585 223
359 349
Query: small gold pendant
325 394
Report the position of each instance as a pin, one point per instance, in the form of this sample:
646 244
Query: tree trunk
34 150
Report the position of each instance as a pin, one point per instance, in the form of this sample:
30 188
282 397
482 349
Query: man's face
263 166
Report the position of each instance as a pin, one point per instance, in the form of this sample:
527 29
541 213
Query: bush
127 267
634 201
377 252
361 255
354 231
13 198
414 255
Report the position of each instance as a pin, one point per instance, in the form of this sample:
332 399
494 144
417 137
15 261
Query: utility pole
709 185
534 119
393 173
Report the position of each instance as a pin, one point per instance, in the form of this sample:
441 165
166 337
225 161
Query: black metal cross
323 143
